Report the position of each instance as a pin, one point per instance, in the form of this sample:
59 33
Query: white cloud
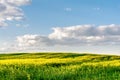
22 25
75 36
97 8
18 2
10 11
72 36
68 9
85 31
33 40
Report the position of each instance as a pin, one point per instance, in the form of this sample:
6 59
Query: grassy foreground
59 66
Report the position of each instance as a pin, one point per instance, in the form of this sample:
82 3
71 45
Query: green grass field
59 66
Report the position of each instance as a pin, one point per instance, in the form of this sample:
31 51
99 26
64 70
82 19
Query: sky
90 26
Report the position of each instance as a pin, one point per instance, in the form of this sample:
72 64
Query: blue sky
52 13
41 16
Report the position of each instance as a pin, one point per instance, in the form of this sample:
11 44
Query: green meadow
59 66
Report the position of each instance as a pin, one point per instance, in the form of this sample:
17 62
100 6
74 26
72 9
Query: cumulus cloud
33 40
10 11
68 37
75 36
18 2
